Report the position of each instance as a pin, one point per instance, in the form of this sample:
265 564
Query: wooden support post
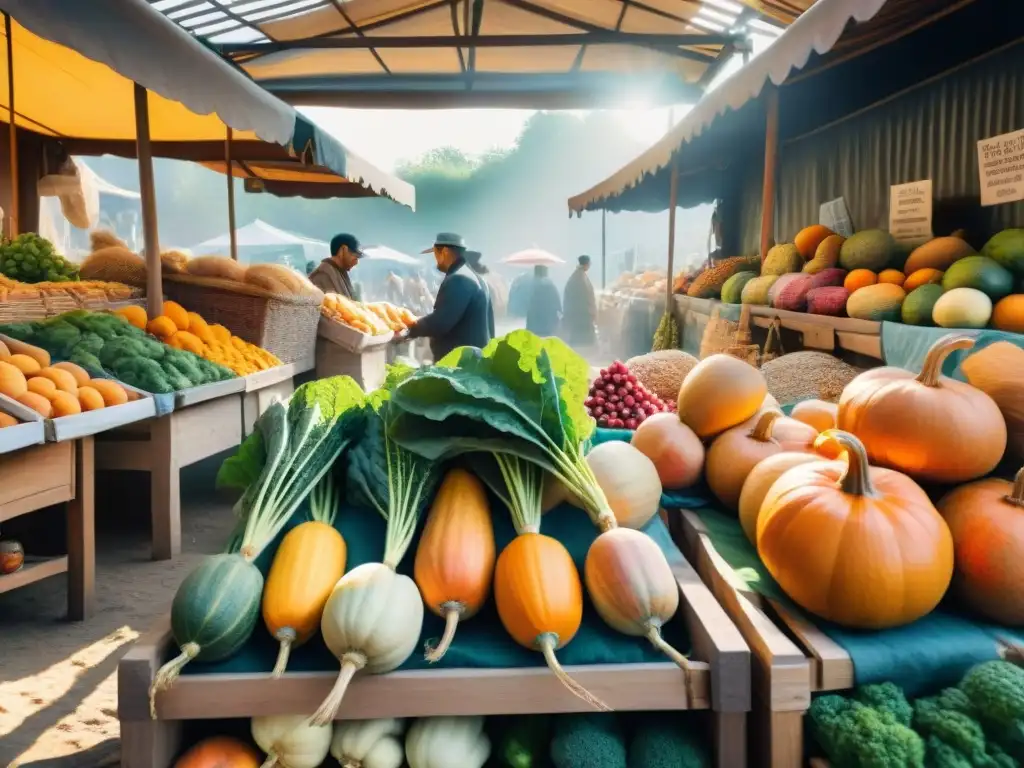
604 249
771 147
673 200
231 196
147 191
12 132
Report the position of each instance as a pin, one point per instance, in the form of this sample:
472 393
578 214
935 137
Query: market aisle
58 680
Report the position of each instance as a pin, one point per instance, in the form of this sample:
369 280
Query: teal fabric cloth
905 346
920 657
481 642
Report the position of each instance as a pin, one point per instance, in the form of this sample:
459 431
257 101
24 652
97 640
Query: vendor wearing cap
332 275
462 315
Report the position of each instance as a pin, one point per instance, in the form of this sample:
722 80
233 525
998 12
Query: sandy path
58 683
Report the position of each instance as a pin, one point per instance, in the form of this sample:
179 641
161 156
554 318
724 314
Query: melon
826 255
878 302
962 308
938 254
831 276
1007 249
732 290
809 238
982 274
756 290
782 259
830 300
871 249
792 295
779 285
917 307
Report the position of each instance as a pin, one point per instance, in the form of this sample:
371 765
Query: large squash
986 519
781 260
919 305
755 291
708 284
826 255
878 302
937 254
720 392
962 308
930 426
981 273
220 752
998 371
857 545
809 238
868 249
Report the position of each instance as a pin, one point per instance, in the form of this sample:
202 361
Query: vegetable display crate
796 655
484 673
87 423
366 367
285 326
164 445
30 432
350 339
41 476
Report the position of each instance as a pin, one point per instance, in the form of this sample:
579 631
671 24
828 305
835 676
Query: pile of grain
801 375
662 372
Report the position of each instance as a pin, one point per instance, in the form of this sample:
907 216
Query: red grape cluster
619 401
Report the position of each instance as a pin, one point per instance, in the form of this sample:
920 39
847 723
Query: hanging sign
1001 168
910 211
835 215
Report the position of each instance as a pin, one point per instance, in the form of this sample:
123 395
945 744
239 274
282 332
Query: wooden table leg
730 739
165 490
82 534
149 743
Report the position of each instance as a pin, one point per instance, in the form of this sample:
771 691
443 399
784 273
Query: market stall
174 686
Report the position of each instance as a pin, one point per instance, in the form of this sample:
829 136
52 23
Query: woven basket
283 325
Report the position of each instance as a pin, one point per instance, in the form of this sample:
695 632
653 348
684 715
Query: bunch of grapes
29 258
619 401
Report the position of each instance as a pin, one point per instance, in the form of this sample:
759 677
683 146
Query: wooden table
43 475
721 683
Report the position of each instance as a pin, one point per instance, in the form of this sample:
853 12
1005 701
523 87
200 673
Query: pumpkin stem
169 672
1016 496
762 430
285 636
659 642
546 645
271 760
351 662
856 480
931 370
452 613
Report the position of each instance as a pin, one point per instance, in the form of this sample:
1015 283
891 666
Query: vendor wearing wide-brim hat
461 315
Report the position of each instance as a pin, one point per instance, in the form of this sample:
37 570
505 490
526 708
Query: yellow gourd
177 315
220 333
200 328
187 341
162 327
135 315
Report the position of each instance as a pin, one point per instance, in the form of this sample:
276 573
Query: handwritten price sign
1001 168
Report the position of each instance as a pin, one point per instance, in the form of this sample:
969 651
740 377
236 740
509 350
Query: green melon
217 606
878 302
871 249
981 273
756 290
917 307
732 291
782 259
1007 248
963 308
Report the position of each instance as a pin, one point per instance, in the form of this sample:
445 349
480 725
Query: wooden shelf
34 570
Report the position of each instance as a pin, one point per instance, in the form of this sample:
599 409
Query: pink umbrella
532 257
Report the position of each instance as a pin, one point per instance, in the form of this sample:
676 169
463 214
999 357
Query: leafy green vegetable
520 396
855 735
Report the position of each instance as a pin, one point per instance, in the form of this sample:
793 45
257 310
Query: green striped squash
732 291
217 606
917 307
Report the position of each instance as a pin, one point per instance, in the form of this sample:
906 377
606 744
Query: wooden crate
721 684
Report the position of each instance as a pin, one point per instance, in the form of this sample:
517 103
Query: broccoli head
949 722
19 331
588 741
996 688
143 373
90 342
662 744
886 697
117 349
86 360
58 337
854 735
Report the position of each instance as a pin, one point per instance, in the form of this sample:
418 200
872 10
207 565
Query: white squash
629 480
290 741
368 743
447 742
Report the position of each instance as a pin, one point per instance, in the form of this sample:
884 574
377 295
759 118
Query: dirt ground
58 681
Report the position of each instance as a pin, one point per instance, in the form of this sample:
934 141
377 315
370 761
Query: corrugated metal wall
928 133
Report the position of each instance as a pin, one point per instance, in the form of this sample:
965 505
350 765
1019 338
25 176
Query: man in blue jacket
462 313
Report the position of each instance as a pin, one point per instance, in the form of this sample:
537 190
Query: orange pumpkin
736 452
998 370
986 519
927 276
220 752
859 278
760 480
930 426
1008 313
857 545
816 413
455 556
891 276
720 392
809 238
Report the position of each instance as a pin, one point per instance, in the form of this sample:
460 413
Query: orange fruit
6 420
894 276
64 404
80 374
37 403
111 392
90 399
42 386
12 381
25 364
65 381
859 278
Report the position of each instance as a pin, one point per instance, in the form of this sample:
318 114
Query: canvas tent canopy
484 53
841 58
385 255
260 234
75 66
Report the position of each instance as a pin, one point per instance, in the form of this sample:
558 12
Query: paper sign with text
910 211
836 216
1001 168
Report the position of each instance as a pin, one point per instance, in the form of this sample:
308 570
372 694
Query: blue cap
348 240
447 239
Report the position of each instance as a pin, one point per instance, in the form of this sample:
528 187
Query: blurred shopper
580 307
545 308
